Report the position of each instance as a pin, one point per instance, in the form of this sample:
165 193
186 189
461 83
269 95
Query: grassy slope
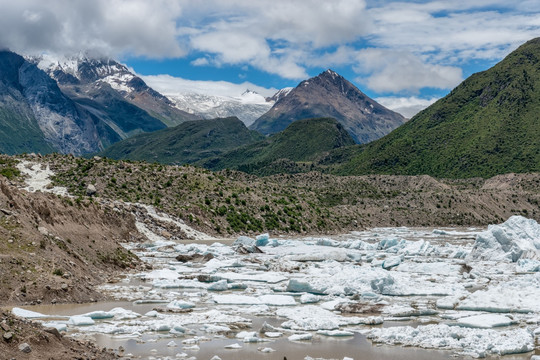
20 133
302 141
185 143
488 125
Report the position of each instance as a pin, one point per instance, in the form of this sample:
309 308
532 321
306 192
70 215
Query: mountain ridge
185 143
487 125
303 141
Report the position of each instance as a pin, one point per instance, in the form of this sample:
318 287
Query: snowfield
475 298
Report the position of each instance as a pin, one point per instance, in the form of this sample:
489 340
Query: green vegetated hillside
186 143
488 125
20 132
302 141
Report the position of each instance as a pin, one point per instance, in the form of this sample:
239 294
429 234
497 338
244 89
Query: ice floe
475 342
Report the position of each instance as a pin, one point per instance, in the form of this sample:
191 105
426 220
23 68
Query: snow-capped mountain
247 106
84 77
82 69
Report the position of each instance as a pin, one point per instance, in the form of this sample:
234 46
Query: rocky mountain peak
83 69
279 94
331 95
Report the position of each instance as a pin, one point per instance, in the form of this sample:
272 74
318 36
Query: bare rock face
331 95
40 116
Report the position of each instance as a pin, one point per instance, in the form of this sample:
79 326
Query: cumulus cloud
411 45
454 31
406 106
104 27
170 85
276 36
395 71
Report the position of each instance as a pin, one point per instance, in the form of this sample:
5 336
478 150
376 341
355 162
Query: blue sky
404 54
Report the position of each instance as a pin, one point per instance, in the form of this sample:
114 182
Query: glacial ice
301 337
517 238
262 240
57 325
311 317
486 321
475 301
391 262
277 300
180 304
78 320
232 299
337 333
28 314
520 294
309 298
527 265
474 342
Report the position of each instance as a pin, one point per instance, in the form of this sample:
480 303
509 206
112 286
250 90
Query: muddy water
356 347
155 346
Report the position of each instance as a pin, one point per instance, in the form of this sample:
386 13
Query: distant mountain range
331 95
248 106
75 105
82 105
488 125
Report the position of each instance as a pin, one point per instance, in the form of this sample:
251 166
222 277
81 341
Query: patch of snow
39 178
190 232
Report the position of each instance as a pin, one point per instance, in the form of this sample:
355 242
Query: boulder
91 190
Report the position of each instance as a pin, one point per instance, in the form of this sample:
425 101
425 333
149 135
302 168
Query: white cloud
406 106
105 27
421 43
170 85
200 62
396 71
278 37
454 31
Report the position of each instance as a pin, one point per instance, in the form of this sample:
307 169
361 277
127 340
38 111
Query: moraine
438 292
